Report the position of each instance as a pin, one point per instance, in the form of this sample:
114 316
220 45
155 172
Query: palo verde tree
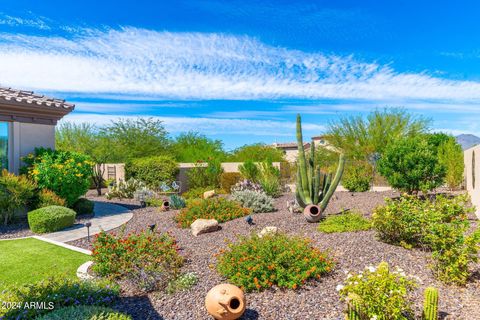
86 138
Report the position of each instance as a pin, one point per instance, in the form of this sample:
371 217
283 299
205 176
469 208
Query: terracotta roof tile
29 97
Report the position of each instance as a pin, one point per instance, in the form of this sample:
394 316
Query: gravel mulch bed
316 300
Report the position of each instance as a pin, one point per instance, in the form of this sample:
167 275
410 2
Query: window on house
3 145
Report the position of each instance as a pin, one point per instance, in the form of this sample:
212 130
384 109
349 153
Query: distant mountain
467 140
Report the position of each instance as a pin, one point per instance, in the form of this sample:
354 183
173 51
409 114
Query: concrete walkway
107 216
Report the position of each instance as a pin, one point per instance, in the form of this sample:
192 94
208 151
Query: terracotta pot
225 302
165 205
312 213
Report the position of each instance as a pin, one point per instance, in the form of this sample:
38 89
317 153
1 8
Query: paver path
107 216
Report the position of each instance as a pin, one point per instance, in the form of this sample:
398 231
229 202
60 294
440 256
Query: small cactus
354 307
430 304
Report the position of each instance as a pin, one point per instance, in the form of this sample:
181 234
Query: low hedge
83 206
50 219
85 313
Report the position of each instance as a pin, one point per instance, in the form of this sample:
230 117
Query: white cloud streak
168 65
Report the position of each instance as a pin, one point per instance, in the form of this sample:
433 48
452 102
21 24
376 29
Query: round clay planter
165 205
225 302
312 213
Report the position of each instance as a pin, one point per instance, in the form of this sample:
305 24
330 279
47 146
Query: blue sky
241 70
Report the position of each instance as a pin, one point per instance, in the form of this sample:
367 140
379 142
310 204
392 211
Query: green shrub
56 293
228 180
85 313
205 174
49 198
382 293
255 263
450 155
50 219
183 282
15 194
84 206
256 201
152 170
270 179
249 170
440 225
219 209
66 173
412 165
347 222
357 177
148 259
196 193
125 189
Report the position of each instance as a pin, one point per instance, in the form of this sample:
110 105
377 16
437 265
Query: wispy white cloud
206 66
33 21
211 126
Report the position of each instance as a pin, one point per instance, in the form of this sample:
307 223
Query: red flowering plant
256 263
220 209
148 259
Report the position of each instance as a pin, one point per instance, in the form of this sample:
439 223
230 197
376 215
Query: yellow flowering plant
65 173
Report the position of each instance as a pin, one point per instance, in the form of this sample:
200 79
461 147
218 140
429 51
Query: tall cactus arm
302 163
299 192
430 304
316 186
335 182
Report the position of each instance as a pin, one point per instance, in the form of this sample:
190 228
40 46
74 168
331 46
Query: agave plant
314 188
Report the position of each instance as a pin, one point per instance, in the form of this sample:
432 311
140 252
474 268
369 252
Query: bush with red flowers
256 263
148 259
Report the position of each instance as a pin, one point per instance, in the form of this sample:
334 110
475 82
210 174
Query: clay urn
312 213
165 205
225 302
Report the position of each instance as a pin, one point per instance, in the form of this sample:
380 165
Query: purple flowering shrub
32 300
247 185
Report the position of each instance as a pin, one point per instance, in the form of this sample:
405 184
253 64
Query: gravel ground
317 300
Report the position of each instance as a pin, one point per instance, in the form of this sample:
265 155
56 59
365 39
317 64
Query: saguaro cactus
314 189
430 304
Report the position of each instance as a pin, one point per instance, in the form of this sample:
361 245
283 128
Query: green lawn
27 260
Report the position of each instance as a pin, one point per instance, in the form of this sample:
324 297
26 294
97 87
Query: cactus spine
430 304
314 187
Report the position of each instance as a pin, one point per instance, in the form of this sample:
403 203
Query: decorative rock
208 194
267 230
225 302
200 226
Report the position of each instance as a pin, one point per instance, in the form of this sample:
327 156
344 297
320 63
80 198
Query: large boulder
267 230
200 226
208 194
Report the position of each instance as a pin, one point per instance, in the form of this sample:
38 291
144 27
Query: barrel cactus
430 304
314 188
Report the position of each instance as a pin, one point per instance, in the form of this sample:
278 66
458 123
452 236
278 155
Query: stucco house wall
471 158
25 137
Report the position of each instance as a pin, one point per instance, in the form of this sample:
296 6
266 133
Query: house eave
32 112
